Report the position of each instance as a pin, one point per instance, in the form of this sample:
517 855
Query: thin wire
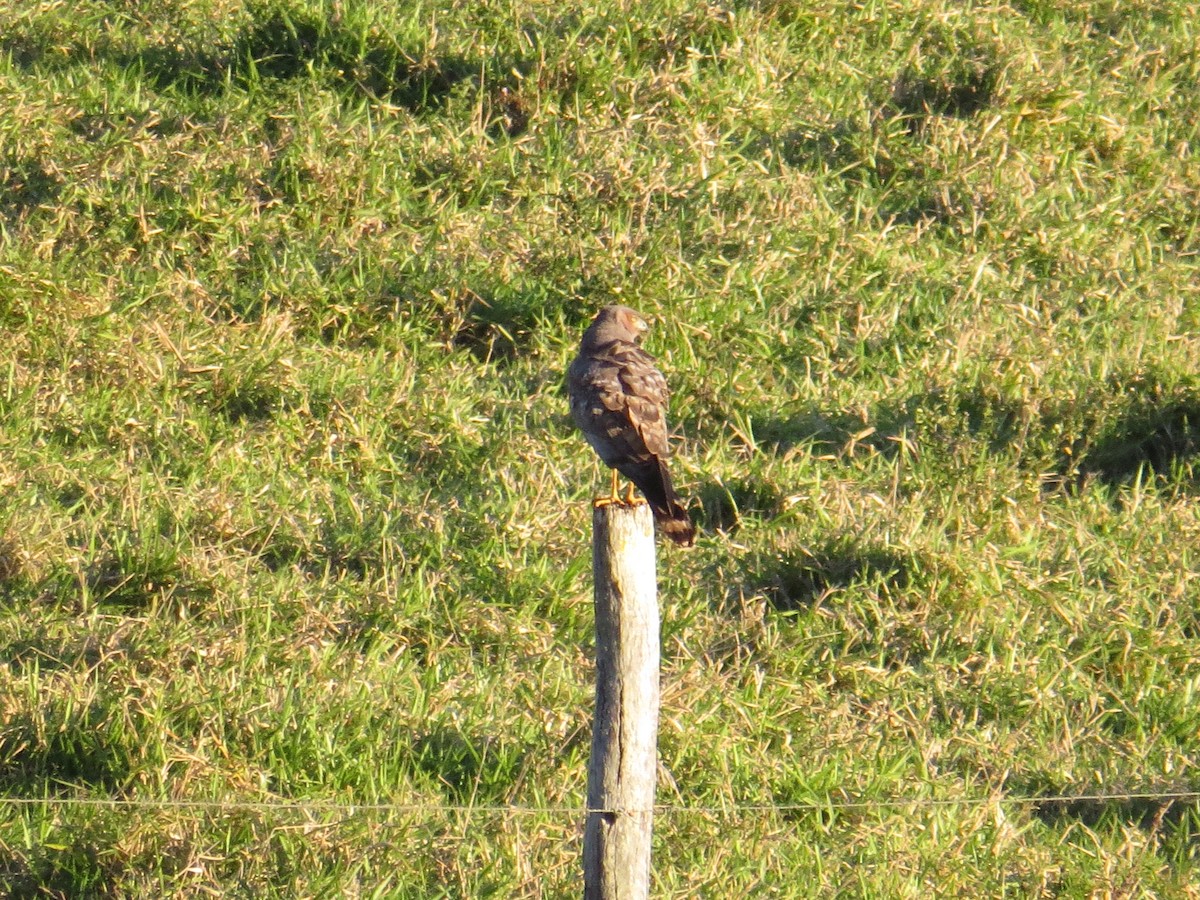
664 809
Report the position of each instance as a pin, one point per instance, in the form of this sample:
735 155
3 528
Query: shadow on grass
800 578
66 746
281 44
81 864
961 93
14 577
722 506
124 571
27 184
495 328
45 652
1153 437
499 321
136 572
1126 430
1141 427
843 434
251 387
831 432
285 44
1151 814
1155 430
329 556
1153 810
1100 21
469 768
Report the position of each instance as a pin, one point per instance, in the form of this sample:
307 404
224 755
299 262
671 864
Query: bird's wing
646 396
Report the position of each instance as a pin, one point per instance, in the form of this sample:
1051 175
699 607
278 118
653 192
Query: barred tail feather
678 527
654 481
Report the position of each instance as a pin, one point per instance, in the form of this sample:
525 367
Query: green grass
294 576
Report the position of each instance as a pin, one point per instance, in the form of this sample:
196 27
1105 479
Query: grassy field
294 558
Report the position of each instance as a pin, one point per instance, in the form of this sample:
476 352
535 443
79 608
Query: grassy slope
292 512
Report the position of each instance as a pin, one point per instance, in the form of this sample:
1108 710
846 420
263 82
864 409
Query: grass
294 587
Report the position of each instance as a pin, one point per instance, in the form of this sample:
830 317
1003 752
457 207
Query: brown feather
619 401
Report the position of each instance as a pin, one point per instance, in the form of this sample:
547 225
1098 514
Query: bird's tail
654 481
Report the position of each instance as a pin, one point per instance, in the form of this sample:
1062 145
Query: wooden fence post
622 770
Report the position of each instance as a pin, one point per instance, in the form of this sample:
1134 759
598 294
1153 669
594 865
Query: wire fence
665 809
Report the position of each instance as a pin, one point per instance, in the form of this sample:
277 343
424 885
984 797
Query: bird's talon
628 500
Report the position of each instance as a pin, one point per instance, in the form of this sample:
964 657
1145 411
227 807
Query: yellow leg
613 496
631 500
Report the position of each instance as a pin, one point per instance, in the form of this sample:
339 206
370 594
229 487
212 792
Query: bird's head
621 320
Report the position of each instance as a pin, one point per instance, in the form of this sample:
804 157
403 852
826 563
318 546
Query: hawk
619 401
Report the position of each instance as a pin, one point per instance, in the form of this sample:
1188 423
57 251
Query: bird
618 400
